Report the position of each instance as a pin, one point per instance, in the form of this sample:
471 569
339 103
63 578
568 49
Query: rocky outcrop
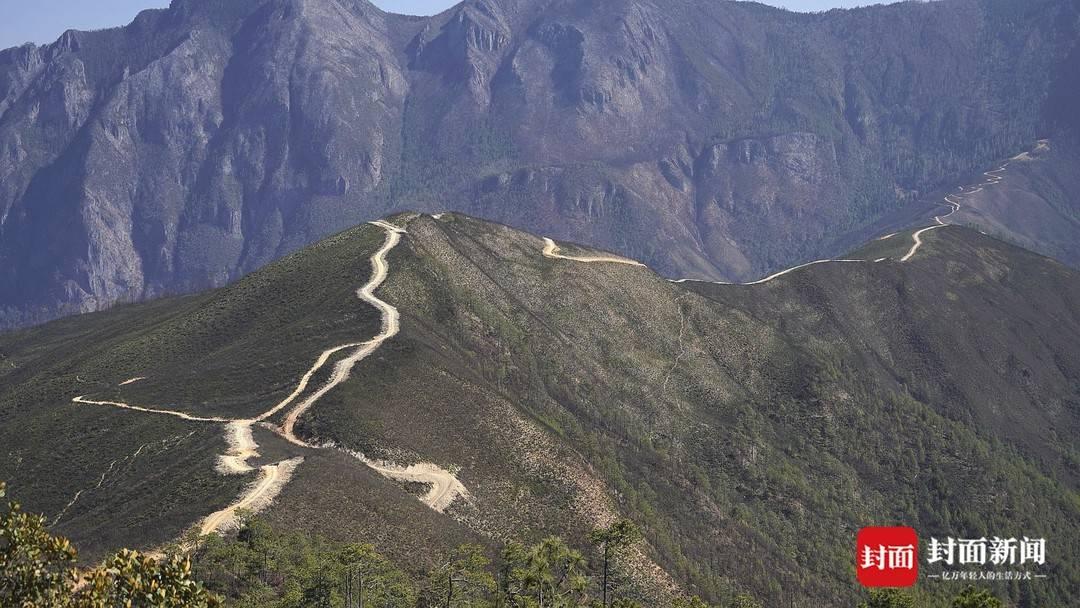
466 48
718 140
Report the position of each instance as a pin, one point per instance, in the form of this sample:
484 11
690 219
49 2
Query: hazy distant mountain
747 429
709 138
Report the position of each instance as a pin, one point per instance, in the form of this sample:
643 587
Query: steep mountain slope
743 426
713 139
1033 207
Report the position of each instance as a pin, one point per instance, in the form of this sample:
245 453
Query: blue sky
43 21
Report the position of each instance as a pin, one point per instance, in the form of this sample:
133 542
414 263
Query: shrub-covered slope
747 429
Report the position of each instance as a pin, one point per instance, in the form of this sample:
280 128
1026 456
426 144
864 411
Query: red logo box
887 557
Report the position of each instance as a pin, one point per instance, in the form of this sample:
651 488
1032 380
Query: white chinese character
941 552
1002 550
972 550
873 558
1033 550
901 557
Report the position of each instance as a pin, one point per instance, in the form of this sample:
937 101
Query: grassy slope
232 351
748 429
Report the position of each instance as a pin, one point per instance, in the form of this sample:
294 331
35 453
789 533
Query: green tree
745 601
547 575
319 590
371 580
463 581
689 602
133 580
976 598
888 598
512 574
257 536
612 543
36 568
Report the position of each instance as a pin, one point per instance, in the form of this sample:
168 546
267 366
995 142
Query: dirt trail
391 324
953 201
445 487
551 250
82 399
128 460
917 237
242 447
793 269
303 384
272 478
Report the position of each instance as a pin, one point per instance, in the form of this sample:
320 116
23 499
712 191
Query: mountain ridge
720 140
556 390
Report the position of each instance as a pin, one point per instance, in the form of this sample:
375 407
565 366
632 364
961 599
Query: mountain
714 139
426 381
1033 205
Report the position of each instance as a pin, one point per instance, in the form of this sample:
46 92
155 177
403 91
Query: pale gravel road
445 487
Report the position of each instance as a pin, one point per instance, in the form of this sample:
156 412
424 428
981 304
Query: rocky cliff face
712 139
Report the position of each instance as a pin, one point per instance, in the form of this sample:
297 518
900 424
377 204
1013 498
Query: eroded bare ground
271 478
551 250
592 502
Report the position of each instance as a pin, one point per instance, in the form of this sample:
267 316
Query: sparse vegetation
743 429
262 567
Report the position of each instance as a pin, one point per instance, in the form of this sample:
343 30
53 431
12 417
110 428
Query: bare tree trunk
605 575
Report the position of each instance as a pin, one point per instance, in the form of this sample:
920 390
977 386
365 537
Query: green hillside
746 429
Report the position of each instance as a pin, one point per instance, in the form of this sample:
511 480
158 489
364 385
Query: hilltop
714 139
744 427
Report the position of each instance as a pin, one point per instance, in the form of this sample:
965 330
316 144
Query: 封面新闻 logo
887 557
966 559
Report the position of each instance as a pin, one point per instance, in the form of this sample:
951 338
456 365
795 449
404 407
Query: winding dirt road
272 478
391 324
445 487
242 447
951 200
917 237
551 250
149 410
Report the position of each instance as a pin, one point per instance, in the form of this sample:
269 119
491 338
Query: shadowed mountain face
712 139
747 428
